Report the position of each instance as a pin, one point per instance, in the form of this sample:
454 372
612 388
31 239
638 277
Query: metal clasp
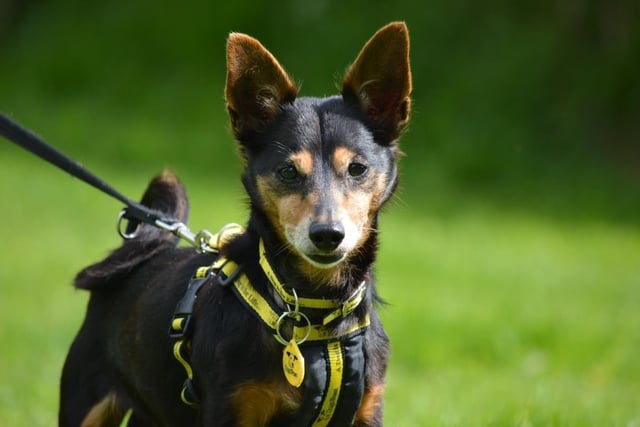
200 240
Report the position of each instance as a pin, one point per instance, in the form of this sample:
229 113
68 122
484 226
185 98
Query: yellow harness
333 348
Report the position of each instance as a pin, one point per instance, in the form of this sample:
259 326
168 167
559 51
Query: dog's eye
288 173
357 169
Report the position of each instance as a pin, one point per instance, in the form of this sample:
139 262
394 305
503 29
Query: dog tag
293 363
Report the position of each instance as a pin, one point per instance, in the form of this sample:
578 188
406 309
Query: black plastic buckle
225 280
181 320
180 324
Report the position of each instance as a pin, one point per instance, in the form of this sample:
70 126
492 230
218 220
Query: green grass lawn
511 260
497 318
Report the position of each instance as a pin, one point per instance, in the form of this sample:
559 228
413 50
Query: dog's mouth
325 261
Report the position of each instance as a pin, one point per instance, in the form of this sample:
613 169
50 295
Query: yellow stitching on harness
334 357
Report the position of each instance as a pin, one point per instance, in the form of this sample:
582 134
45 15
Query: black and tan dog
283 331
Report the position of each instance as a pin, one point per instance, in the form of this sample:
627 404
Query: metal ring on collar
296 315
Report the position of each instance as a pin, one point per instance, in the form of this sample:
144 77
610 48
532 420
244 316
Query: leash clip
200 240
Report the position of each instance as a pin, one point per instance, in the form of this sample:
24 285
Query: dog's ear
256 84
380 81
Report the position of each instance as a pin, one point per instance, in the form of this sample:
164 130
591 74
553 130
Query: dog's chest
330 395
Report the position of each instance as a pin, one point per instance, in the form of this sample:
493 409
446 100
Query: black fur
123 350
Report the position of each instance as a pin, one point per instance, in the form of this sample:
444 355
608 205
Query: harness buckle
226 278
179 325
347 307
354 300
181 321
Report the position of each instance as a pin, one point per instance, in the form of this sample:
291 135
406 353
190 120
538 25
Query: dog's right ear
256 84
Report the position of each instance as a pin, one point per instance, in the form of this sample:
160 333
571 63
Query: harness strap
340 309
287 297
181 330
257 304
335 364
334 383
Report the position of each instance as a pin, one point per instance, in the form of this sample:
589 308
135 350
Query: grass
511 265
508 320
497 317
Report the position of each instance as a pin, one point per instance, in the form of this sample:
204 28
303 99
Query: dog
317 172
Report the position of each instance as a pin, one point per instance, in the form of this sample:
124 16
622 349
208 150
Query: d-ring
292 314
124 234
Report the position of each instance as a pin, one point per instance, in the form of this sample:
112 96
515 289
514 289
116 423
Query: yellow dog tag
293 363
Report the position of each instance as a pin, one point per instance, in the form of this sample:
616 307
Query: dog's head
320 168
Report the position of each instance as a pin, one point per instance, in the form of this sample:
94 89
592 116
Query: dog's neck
338 282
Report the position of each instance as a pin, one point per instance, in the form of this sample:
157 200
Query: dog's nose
326 236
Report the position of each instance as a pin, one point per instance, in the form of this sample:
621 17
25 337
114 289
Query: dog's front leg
370 412
250 405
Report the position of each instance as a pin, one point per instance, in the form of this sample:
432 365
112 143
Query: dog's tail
165 194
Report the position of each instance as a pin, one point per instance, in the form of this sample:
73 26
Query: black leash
134 212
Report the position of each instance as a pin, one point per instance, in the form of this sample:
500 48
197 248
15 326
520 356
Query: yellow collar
339 309
261 307
266 310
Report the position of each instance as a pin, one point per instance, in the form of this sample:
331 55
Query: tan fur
303 162
289 211
256 403
106 413
371 403
358 208
286 210
342 157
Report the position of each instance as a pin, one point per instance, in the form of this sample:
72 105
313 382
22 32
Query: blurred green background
510 258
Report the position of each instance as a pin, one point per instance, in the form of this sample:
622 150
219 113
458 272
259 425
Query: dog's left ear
380 81
257 85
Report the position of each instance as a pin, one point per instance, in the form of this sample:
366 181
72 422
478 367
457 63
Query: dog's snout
326 236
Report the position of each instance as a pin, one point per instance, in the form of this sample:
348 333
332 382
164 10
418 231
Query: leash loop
135 213
126 235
